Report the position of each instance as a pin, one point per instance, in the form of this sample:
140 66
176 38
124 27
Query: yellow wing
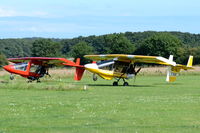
172 71
133 58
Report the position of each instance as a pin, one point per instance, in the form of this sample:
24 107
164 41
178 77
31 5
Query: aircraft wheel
29 81
94 77
125 84
115 83
11 77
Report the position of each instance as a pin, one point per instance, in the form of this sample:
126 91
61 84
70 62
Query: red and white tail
171 74
79 70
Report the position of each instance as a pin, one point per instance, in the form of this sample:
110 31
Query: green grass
61 105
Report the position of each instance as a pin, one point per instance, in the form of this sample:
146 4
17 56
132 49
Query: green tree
195 51
182 55
66 46
118 44
45 48
80 49
162 44
3 60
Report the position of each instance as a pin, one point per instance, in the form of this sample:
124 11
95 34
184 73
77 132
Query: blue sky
73 18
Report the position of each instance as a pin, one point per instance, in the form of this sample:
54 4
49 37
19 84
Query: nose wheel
11 77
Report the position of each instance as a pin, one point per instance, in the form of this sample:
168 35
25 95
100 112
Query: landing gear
11 77
125 84
29 81
94 77
115 83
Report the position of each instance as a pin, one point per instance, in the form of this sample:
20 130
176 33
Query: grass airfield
59 104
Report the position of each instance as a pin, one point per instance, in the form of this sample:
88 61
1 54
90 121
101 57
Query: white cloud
13 13
39 13
33 14
7 12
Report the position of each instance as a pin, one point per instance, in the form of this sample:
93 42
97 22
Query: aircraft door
121 67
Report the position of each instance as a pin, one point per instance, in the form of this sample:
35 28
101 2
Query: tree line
181 45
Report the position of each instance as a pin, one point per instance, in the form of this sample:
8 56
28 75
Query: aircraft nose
7 67
91 66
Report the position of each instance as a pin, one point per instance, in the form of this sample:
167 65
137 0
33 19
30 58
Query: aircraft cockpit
107 64
21 66
121 67
117 66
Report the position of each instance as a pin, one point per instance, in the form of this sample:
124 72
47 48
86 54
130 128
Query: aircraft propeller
138 71
135 72
47 72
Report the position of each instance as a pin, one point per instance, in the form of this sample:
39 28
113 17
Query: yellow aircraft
121 66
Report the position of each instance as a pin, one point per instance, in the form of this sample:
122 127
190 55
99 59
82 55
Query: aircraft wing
43 60
133 58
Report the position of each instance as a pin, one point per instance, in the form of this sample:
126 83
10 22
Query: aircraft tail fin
79 70
190 61
171 72
79 73
171 57
78 61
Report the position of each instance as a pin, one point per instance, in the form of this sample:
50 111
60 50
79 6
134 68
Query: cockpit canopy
106 63
116 66
21 66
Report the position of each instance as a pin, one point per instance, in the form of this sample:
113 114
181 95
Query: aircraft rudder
79 73
171 57
78 61
190 61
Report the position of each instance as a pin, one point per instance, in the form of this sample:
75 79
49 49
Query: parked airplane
34 68
123 67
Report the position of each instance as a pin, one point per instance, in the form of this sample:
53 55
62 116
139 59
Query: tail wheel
125 84
115 83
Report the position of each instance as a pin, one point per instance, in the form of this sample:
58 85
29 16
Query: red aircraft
34 68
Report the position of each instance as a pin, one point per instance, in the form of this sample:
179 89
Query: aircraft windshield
21 66
108 64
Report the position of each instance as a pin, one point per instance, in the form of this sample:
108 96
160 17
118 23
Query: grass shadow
167 84
120 85
4 82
